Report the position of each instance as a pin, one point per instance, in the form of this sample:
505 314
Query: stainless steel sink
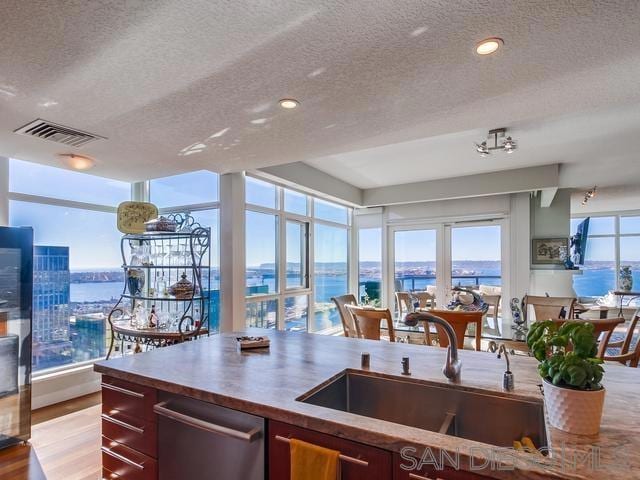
472 414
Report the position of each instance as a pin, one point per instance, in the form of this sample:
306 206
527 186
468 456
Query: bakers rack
165 297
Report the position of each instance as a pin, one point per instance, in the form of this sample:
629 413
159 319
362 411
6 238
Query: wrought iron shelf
200 232
192 311
162 267
163 299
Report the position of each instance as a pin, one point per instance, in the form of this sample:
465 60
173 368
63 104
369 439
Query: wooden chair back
603 329
348 323
546 308
403 301
425 299
459 320
369 321
628 356
494 304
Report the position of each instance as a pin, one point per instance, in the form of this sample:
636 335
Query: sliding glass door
476 256
414 260
438 257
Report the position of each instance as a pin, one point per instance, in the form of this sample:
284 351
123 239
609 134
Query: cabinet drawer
130 399
374 463
126 462
107 475
135 433
429 472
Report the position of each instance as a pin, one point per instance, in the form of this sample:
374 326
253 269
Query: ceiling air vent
57 133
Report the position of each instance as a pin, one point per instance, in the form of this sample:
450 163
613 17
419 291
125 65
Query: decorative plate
132 215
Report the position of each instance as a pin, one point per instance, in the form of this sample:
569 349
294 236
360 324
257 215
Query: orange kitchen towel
311 462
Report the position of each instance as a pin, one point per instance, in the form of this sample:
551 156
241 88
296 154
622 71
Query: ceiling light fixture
489 46
508 144
289 103
482 149
589 195
77 162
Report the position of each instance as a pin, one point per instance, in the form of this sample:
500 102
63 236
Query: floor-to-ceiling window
196 194
370 265
297 250
77 274
613 241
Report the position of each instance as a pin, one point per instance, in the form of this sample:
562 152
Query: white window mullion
617 251
281 254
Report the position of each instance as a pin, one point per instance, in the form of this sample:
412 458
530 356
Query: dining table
460 320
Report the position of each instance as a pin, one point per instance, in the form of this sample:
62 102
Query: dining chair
368 321
603 328
459 321
545 308
491 295
404 303
349 325
425 299
629 354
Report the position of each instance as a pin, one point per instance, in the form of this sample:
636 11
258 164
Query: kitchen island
267 383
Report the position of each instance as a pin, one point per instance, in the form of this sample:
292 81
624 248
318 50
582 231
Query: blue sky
468 243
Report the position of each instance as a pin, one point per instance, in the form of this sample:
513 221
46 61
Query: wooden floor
65 439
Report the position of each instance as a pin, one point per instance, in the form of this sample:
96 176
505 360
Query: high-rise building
51 312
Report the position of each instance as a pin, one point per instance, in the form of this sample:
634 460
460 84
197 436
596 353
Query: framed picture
549 251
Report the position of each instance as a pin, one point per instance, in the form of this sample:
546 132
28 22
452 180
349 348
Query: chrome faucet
507 379
452 365
405 366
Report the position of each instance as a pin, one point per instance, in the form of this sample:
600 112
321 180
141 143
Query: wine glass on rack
176 254
136 256
166 257
157 254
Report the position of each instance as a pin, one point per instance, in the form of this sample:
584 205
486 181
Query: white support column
232 249
4 191
140 191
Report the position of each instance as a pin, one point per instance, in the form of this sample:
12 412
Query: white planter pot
574 411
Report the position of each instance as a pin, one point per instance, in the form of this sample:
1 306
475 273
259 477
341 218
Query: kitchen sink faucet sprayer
507 379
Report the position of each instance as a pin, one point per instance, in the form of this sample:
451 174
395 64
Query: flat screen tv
579 242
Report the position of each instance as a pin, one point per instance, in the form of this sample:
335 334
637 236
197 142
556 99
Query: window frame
616 235
310 220
59 202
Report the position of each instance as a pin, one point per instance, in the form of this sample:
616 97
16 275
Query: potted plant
571 374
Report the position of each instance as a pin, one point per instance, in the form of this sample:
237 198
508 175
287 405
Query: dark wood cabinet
130 444
429 472
129 430
374 463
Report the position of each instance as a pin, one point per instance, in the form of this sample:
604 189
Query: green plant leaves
566 354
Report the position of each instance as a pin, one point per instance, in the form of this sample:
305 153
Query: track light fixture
508 144
589 195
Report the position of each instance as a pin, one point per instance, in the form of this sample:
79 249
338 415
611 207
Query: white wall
610 199
450 210
64 385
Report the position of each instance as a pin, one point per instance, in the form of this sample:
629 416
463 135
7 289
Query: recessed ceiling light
77 162
489 45
288 103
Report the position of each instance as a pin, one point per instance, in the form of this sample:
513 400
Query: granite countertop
267 382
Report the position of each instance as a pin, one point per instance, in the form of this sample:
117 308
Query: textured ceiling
164 78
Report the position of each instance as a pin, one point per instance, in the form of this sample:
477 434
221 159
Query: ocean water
597 282
592 282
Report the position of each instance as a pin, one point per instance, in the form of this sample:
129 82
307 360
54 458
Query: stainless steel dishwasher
200 440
